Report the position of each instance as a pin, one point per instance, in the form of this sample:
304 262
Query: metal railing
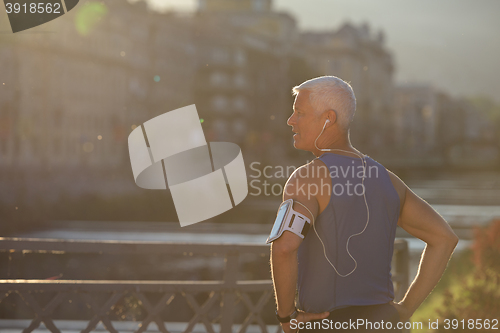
223 295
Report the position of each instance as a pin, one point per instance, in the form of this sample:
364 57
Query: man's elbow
451 241
455 240
445 241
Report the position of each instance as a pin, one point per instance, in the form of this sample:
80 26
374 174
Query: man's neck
340 145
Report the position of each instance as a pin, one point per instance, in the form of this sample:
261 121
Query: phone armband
291 220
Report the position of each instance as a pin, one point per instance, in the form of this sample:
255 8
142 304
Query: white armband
291 220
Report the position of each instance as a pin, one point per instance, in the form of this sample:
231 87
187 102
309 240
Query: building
416 117
244 81
430 124
74 92
359 57
71 97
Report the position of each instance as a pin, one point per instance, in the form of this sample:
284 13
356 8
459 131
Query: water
414 245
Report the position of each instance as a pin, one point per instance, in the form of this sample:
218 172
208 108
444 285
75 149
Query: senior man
341 266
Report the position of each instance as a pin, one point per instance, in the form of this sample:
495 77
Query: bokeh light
88 16
88 147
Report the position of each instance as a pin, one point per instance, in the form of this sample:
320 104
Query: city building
245 51
71 97
416 119
359 57
430 124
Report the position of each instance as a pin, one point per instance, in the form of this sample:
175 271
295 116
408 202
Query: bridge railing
216 311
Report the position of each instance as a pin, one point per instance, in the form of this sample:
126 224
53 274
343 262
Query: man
342 266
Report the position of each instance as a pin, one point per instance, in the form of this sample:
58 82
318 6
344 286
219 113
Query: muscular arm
420 220
284 265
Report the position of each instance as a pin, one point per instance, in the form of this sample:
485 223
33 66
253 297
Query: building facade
360 58
71 97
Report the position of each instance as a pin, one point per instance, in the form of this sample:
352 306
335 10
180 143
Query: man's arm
284 265
420 220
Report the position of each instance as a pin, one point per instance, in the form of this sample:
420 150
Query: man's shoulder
308 181
396 181
399 186
306 184
311 172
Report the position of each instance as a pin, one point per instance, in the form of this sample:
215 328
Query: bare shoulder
313 172
310 182
400 188
310 172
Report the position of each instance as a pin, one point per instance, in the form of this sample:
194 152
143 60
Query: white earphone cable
363 162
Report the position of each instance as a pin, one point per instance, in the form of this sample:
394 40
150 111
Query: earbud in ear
327 121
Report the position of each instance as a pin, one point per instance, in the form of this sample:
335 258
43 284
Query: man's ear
332 116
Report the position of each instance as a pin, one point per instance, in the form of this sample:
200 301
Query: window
240 80
239 103
219 102
220 127
240 58
239 127
218 78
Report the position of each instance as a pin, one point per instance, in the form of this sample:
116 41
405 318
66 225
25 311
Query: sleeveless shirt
320 288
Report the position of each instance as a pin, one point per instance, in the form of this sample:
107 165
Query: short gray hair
330 92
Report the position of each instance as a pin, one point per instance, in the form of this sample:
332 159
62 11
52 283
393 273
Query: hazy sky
452 44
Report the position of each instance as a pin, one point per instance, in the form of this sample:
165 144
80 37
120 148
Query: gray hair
330 92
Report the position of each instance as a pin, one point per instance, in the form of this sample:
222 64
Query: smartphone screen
279 220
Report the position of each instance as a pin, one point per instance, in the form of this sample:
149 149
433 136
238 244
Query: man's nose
291 120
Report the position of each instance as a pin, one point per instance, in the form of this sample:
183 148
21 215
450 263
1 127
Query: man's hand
404 313
303 317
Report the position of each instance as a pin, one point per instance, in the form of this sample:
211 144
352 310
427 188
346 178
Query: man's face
306 124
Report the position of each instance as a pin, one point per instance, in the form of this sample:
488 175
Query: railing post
229 294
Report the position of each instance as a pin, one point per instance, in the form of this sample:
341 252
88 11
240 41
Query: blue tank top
320 288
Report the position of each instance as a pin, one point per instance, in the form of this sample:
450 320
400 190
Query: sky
452 44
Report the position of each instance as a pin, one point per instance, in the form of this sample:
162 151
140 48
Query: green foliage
479 294
470 287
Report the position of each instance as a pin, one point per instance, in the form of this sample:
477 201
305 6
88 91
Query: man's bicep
304 203
298 189
420 220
